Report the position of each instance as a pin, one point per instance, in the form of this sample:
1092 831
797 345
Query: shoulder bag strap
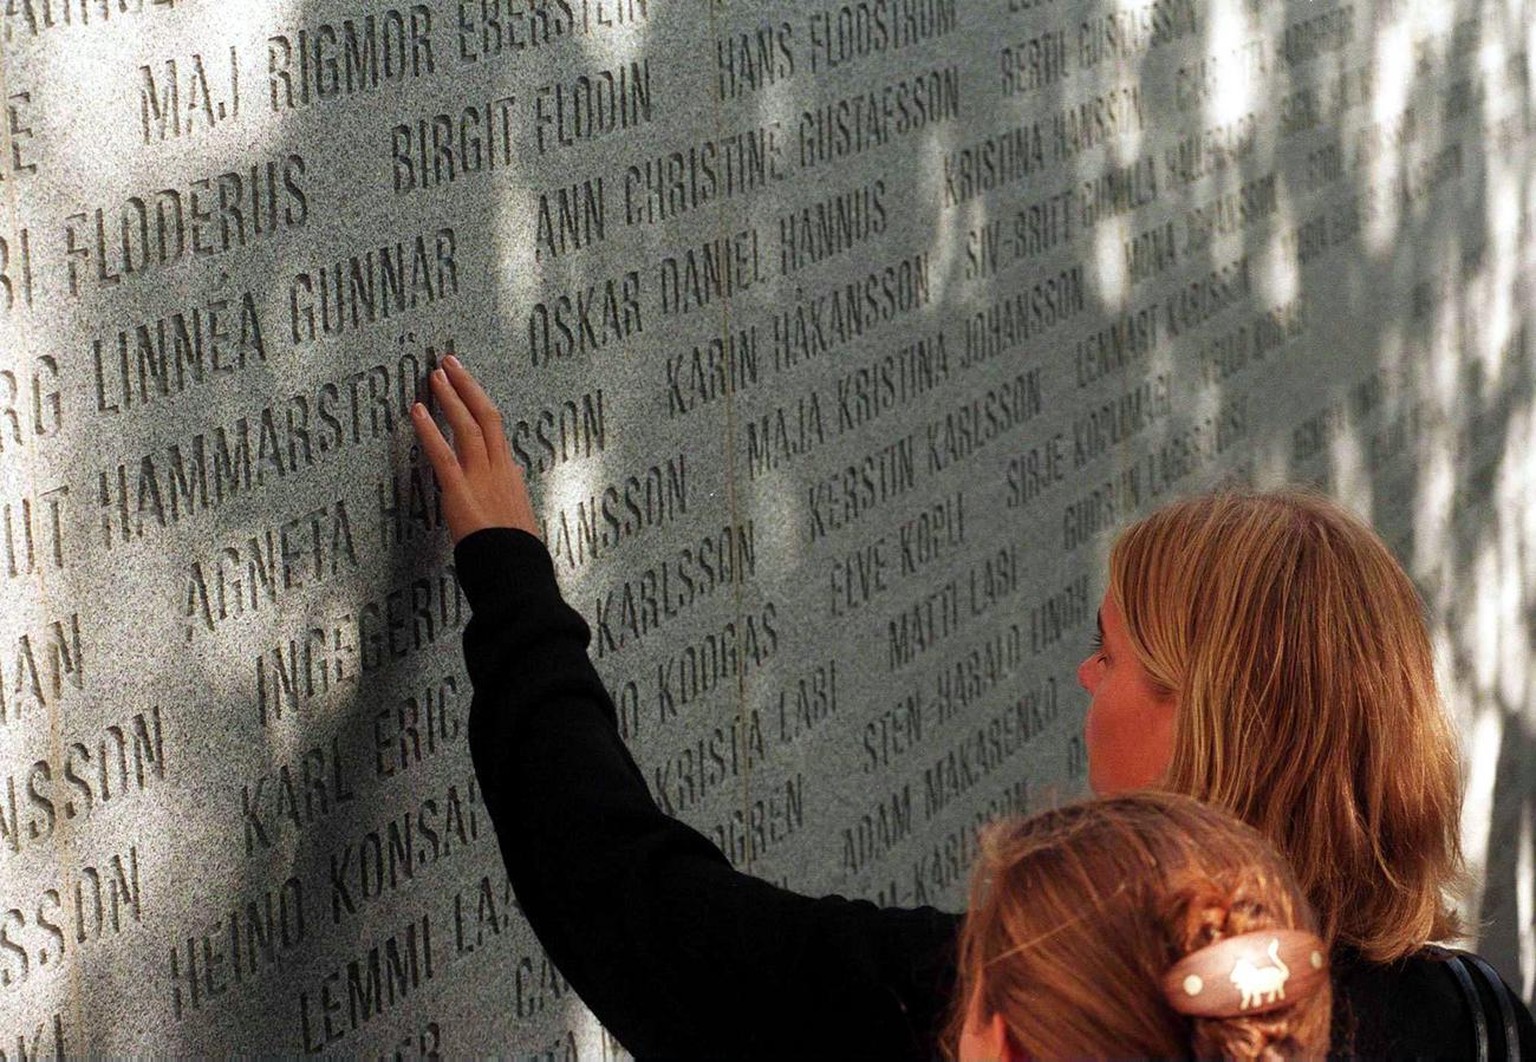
1506 1009
1474 1003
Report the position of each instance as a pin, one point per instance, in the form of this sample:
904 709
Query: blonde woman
1262 653
1265 653
1141 926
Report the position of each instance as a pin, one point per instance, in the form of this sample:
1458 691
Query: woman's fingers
439 453
480 407
468 439
482 485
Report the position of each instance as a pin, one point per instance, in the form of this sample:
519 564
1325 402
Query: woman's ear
1006 1051
988 1041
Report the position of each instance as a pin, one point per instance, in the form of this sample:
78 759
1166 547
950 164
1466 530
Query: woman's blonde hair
1295 646
1077 914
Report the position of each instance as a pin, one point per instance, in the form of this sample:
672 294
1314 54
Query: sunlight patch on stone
1482 765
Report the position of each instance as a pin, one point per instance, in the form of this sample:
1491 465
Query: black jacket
679 954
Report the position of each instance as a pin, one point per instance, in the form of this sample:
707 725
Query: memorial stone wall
836 341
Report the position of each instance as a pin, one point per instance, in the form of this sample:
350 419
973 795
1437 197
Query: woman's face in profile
1129 731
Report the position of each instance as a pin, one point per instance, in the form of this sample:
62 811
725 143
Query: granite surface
904 306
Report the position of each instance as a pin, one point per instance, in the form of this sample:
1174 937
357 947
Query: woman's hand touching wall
482 486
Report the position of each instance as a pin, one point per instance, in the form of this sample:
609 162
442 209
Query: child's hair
1077 916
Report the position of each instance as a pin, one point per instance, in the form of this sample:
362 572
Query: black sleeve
676 952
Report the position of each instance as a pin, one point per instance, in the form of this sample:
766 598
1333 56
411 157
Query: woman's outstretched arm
679 954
